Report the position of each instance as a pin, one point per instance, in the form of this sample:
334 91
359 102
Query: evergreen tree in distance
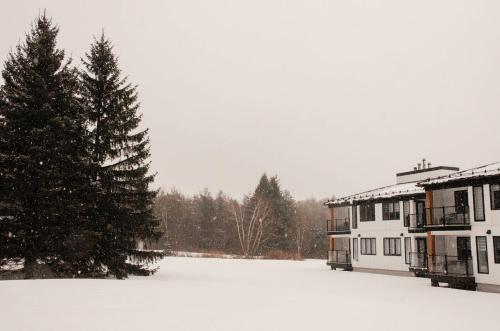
43 159
120 153
280 228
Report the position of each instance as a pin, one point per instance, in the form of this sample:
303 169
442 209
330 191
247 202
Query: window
367 212
482 255
406 213
368 246
407 249
478 204
355 249
392 246
495 196
496 248
390 211
354 217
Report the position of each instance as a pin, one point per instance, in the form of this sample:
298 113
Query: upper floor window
495 196
354 216
406 212
478 203
390 210
367 212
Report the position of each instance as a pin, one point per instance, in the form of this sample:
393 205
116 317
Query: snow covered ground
221 294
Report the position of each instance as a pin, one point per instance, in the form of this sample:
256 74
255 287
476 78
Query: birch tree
251 219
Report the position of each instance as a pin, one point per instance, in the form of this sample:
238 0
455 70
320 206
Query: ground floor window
482 255
496 248
407 249
392 246
368 246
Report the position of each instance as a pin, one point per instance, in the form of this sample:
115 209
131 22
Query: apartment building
463 227
422 224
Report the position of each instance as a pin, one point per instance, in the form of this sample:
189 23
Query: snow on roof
488 170
391 191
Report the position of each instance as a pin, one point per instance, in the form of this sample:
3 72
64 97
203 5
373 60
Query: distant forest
268 222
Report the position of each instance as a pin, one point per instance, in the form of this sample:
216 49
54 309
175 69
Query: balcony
339 259
447 218
338 226
416 223
454 270
418 262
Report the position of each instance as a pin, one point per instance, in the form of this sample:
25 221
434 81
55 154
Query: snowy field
222 294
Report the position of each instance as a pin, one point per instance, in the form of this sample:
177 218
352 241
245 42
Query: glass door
420 206
355 249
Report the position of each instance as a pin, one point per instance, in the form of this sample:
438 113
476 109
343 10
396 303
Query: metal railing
450 265
447 216
338 225
418 260
339 257
416 221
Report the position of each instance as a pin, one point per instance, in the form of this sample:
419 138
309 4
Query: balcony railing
451 216
339 258
416 222
338 225
450 265
418 260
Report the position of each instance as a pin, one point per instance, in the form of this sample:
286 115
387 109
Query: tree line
267 222
74 163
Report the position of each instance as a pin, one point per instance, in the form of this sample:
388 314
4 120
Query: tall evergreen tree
120 153
43 163
280 220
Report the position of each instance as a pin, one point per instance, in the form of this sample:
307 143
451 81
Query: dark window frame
364 242
474 203
367 212
491 197
394 215
387 246
477 255
496 254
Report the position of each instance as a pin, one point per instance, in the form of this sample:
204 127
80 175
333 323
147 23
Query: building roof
492 169
418 171
385 192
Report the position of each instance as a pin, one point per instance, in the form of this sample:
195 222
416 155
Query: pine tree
280 230
283 225
43 158
120 153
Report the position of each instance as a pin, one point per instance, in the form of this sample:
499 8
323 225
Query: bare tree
250 219
301 228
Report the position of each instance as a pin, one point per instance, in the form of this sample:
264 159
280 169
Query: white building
423 224
463 224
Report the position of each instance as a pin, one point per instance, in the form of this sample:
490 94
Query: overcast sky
333 96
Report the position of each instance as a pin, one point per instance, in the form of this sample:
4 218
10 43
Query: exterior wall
419 176
446 240
492 223
380 229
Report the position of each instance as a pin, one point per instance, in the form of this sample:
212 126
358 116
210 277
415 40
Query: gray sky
333 96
